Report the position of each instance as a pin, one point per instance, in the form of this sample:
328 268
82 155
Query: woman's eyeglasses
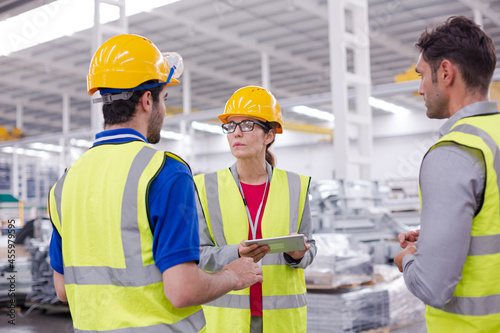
245 126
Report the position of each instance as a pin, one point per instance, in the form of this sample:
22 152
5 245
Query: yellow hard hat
126 61
254 101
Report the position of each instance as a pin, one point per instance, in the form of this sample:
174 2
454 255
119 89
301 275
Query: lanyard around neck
253 224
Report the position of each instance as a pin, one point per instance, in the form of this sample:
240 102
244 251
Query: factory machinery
367 211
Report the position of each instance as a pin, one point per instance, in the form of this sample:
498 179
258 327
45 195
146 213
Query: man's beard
154 125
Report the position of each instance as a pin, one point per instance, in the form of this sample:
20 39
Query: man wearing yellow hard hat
125 245
253 200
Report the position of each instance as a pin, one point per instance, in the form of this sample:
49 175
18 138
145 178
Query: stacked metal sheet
341 260
347 311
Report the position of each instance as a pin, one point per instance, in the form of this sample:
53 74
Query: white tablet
281 244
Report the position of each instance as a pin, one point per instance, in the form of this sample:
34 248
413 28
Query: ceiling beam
484 8
232 38
236 79
378 37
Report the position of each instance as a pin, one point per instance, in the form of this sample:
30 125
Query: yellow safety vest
475 306
284 299
99 207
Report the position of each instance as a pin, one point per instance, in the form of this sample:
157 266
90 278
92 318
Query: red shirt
253 196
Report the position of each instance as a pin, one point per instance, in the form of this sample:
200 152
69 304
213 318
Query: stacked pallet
346 310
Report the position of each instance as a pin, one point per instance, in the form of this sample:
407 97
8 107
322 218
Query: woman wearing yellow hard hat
252 200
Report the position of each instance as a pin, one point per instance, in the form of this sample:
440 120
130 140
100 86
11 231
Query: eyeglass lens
245 126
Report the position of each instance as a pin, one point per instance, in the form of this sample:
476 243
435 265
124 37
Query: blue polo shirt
172 209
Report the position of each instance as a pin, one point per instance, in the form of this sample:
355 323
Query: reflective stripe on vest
469 129
215 214
484 245
473 306
268 302
189 324
58 193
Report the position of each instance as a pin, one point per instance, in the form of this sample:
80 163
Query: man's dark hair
121 111
461 41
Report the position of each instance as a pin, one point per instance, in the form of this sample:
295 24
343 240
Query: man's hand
410 248
409 237
245 272
297 255
253 251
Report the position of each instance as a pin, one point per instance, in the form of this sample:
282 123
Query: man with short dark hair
455 271
125 245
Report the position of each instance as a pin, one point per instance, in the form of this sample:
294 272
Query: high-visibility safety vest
99 207
475 305
284 301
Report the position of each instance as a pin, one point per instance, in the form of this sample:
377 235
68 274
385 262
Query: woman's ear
270 136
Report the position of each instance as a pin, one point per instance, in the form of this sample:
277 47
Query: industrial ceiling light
206 127
386 106
62 18
314 113
26 152
46 147
80 143
171 135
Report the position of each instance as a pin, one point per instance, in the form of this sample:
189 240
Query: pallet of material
346 311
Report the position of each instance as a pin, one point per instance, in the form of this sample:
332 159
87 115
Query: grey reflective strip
268 302
193 323
131 236
284 302
214 212
103 275
474 306
135 274
232 301
484 245
469 129
294 200
119 136
58 195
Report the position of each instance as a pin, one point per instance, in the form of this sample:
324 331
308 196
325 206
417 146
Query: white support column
38 195
187 130
265 70
100 33
15 172
19 116
24 179
63 163
338 85
363 89
478 17
356 151
18 188
65 113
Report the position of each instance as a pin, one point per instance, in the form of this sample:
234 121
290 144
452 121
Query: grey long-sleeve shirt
452 179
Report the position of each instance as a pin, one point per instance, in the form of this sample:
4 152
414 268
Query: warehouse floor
39 321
